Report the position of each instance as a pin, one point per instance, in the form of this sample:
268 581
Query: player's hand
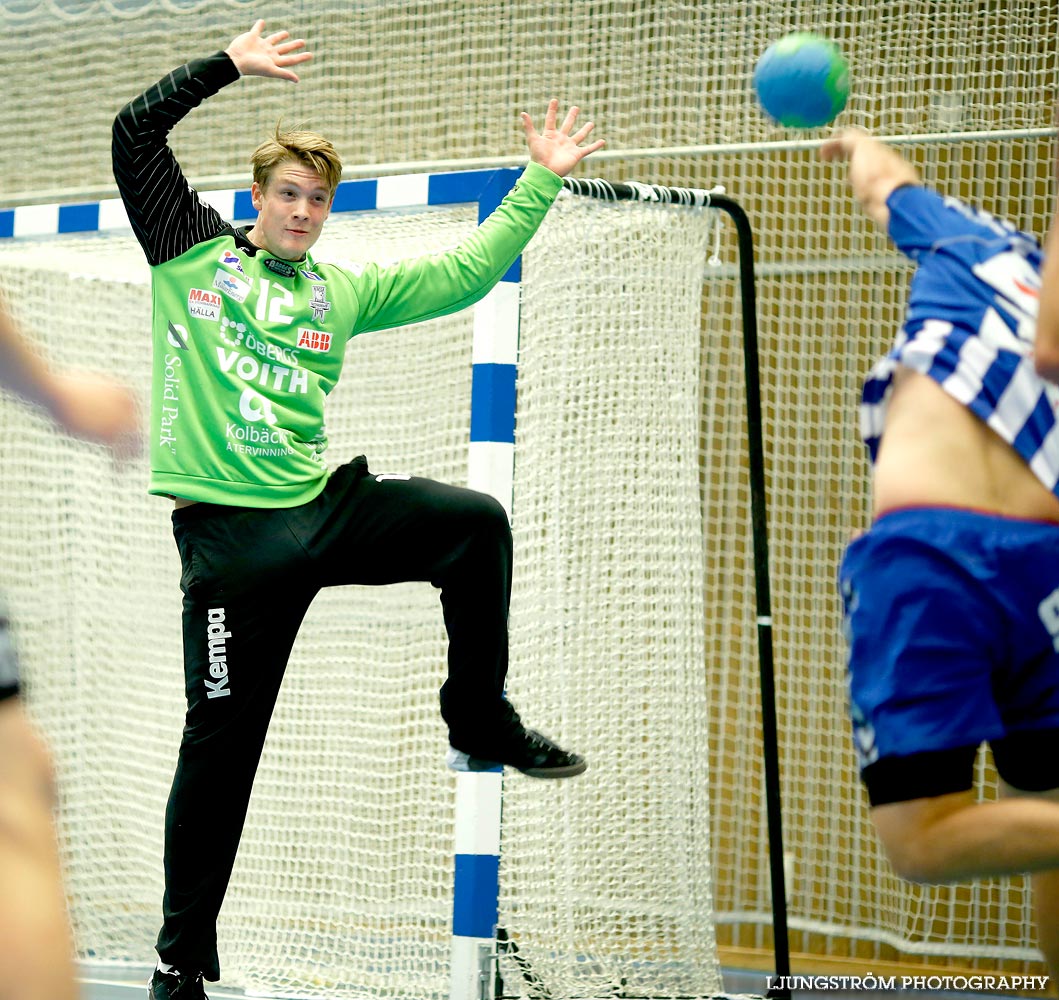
555 148
875 170
97 409
271 55
841 145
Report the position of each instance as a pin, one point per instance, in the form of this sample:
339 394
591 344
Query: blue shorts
952 619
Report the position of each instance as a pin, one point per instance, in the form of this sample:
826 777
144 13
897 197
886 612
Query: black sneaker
525 750
163 986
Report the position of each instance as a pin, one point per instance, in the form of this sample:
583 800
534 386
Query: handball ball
802 80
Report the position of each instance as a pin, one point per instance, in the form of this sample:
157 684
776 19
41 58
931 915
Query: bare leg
36 953
1045 900
953 837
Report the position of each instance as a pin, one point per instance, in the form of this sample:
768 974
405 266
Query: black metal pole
759 521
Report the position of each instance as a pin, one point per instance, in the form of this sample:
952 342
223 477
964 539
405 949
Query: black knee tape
919 775
1028 761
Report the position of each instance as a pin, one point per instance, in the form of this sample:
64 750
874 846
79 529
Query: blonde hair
301 145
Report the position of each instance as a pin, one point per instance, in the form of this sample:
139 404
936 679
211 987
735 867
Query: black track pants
249 576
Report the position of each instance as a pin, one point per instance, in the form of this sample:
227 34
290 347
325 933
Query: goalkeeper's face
292 206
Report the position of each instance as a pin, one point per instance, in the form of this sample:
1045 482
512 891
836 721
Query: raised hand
271 55
555 148
875 170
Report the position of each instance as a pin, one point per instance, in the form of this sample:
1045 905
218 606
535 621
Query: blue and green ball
802 80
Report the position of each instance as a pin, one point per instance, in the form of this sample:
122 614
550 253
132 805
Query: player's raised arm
166 214
87 406
875 170
256 54
555 147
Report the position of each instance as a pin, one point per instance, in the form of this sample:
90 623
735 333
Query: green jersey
246 345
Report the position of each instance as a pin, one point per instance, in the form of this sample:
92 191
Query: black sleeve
164 210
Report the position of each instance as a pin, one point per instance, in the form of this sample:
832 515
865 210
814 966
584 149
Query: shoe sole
457 760
570 771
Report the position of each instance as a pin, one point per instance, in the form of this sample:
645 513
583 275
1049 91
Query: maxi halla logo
204 304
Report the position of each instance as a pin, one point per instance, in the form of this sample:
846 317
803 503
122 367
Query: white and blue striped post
491 464
491 459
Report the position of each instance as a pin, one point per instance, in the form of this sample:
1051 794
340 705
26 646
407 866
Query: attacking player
249 338
36 951
952 596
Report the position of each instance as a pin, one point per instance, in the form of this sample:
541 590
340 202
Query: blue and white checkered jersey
970 324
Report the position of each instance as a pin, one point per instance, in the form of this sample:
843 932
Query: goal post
347 884
472 957
719 201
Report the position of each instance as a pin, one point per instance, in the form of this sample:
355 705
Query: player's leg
1028 763
974 654
384 529
1027 756
953 837
36 952
926 636
245 596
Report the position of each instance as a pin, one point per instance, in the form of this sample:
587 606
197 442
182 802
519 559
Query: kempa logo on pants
217 636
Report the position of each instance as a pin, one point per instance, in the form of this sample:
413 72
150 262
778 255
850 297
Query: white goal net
343 885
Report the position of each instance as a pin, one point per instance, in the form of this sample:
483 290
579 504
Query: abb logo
313 340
